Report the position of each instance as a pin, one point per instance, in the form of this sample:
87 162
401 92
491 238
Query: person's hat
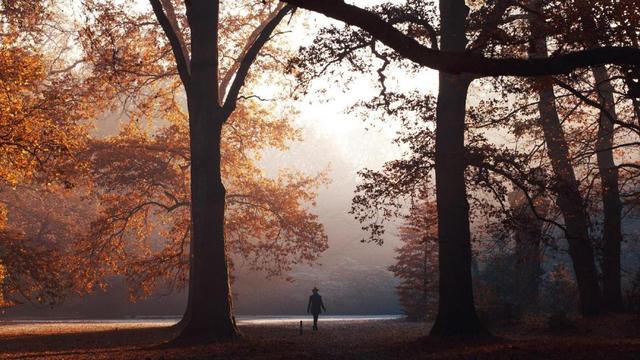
314 289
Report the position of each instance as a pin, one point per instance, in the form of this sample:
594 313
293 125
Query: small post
300 327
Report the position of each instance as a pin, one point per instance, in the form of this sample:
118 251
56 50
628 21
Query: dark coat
315 304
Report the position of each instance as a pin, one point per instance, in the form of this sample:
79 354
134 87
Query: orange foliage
75 210
417 261
43 112
141 176
144 224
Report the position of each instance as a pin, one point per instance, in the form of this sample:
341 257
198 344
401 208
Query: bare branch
597 105
226 79
250 57
170 26
68 68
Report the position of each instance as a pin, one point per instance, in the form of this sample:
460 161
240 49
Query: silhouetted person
315 307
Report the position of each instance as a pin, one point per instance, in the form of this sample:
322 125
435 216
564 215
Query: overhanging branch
457 63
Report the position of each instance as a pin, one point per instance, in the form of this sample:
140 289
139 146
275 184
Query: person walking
315 307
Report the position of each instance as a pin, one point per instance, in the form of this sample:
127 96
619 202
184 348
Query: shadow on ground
374 340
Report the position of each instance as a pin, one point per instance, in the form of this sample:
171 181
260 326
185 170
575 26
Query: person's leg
315 321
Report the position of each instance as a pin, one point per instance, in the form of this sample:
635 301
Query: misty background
352 276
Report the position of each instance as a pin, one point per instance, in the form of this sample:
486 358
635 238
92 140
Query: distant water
260 320
241 319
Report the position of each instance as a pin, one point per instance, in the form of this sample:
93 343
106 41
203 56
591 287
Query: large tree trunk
208 315
456 311
612 229
209 307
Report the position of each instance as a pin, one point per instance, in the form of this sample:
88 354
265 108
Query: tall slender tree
610 192
570 200
456 309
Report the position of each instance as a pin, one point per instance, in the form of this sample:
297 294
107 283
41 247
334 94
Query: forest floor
613 337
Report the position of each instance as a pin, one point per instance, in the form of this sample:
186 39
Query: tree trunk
527 249
456 310
566 187
528 268
612 206
570 202
209 307
636 109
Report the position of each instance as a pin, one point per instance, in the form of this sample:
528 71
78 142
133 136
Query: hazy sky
352 275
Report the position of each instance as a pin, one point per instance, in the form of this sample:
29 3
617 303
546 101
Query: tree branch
397 16
491 22
596 105
226 79
170 27
456 63
249 58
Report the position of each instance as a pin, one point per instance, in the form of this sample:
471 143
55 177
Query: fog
352 276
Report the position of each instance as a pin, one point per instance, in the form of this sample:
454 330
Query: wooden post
300 327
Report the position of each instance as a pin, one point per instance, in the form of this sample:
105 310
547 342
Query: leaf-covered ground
603 338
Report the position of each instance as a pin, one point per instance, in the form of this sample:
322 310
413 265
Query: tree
416 261
40 265
572 203
43 110
455 277
213 76
142 181
456 63
570 200
609 180
528 233
456 315
132 191
456 310
608 119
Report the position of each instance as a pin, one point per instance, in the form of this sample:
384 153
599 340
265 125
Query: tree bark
566 187
570 202
456 310
612 206
209 307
